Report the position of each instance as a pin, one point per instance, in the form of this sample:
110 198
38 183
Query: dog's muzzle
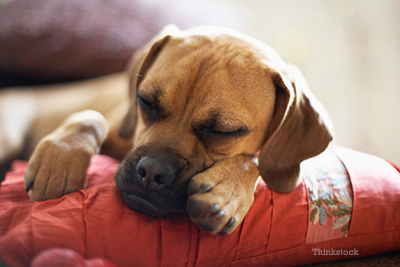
149 185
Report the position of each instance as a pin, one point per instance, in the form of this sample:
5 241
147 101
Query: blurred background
348 50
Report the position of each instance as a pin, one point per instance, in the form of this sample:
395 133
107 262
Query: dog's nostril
141 172
157 179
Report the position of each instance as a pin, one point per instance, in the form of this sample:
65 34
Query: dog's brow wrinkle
153 94
219 121
155 85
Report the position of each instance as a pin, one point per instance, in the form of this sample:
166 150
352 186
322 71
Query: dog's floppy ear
137 68
299 129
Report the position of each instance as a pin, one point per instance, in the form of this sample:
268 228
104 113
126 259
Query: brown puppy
203 104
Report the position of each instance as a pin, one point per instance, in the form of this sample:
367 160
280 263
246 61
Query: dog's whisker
138 74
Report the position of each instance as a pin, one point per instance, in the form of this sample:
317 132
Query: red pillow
346 207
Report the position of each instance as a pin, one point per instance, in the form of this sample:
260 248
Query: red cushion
280 229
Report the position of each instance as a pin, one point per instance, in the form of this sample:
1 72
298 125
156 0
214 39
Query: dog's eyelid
224 132
144 101
143 97
148 108
234 133
229 128
150 93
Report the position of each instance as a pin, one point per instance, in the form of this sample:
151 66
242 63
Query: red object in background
59 257
99 262
64 257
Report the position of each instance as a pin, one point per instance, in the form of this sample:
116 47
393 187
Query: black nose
153 173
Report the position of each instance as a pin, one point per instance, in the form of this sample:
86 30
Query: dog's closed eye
148 108
212 135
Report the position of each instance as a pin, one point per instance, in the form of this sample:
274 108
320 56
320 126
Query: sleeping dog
207 111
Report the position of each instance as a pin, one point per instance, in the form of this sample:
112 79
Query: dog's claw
29 186
230 223
215 208
225 230
221 213
205 226
204 188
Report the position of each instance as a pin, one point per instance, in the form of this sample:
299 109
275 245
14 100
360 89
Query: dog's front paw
57 167
220 197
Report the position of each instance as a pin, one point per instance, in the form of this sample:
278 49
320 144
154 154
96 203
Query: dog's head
206 94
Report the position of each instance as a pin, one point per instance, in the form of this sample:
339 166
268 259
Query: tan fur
200 82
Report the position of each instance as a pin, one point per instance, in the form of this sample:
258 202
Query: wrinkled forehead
217 72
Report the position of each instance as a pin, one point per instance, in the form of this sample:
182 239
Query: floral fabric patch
330 197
